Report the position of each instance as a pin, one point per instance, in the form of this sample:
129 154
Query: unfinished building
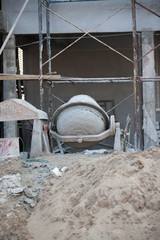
107 49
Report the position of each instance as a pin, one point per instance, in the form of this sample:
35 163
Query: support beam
140 91
40 53
149 10
9 87
27 77
149 108
48 37
135 73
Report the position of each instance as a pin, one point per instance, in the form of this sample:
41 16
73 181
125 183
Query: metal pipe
140 93
100 81
40 53
120 102
48 36
135 70
13 26
96 79
148 52
149 10
50 107
91 80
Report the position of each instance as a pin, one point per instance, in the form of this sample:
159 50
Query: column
9 86
149 106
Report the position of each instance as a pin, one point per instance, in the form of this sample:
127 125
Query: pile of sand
109 197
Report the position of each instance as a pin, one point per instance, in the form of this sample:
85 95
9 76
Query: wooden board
28 77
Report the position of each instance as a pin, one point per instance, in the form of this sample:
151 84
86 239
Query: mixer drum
80 116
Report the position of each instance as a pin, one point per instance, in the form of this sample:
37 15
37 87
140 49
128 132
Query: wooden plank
28 77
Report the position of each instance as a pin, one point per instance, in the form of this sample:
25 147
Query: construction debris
10 184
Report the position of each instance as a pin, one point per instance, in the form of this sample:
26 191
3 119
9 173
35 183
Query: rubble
10 184
97 151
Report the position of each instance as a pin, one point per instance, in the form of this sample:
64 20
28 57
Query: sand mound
110 197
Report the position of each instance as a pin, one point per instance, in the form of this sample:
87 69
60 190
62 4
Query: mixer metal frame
86 138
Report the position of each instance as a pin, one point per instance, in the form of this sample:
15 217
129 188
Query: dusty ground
114 197
13 214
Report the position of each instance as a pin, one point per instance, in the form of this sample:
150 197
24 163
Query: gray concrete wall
87 58
84 14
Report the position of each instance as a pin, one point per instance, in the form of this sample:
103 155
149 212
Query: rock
31 193
31 202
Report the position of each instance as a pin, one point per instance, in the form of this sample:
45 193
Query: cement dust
107 197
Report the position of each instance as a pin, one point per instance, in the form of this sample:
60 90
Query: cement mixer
81 122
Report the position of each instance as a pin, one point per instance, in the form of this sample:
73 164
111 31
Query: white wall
84 14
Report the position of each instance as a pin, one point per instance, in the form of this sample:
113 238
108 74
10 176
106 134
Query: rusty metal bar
40 53
148 52
50 105
149 10
120 102
140 92
48 36
13 27
99 24
95 38
135 71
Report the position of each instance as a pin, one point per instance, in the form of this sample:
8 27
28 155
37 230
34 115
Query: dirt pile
113 197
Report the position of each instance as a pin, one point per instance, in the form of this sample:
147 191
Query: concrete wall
87 58
84 14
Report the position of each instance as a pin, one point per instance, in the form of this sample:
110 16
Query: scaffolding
137 79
